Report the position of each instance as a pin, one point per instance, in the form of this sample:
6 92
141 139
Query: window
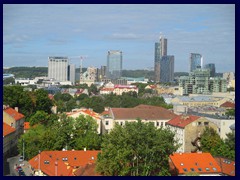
181 164
210 163
184 169
199 123
11 124
121 123
206 123
207 169
75 158
214 169
106 123
161 123
65 159
46 162
192 169
157 123
200 169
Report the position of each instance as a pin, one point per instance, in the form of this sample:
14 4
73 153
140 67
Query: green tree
32 141
136 149
212 143
43 103
10 80
39 117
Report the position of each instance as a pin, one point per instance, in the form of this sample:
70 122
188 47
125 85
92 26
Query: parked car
20 159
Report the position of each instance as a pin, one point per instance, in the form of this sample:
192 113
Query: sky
33 32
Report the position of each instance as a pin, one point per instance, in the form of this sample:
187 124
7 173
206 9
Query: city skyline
32 33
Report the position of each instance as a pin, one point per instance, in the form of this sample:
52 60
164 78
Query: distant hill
32 72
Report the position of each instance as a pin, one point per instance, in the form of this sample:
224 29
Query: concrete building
114 65
58 68
199 82
195 61
188 130
72 73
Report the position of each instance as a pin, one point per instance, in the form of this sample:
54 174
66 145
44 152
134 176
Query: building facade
199 82
188 130
195 61
167 69
58 68
72 73
212 69
146 113
163 64
114 65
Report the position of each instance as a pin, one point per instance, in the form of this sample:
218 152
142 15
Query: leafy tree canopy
136 149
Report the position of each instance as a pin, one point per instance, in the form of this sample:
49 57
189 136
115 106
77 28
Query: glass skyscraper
114 65
163 64
196 61
212 69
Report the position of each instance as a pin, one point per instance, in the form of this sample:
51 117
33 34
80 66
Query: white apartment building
58 68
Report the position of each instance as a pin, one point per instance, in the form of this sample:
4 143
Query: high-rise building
163 64
72 73
212 69
114 65
58 68
196 61
101 73
167 69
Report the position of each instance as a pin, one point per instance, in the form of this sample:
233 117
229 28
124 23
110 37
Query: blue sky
31 33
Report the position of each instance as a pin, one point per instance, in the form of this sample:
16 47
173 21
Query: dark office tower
167 69
196 61
160 50
212 69
114 65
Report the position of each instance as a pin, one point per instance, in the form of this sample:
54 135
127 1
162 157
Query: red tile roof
88 170
144 112
12 112
67 161
228 105
26 125
183 162
7 129
182 120
227 166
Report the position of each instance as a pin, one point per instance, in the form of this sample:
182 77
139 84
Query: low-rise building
14 119
146 113
196 101
188 130
202 164
227 166
9 139
61 163
87 112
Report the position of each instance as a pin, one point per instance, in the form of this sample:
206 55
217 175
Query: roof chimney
85 149
16 109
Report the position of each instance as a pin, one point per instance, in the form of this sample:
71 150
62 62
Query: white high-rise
58 68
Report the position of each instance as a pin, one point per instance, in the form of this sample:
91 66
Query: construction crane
83 57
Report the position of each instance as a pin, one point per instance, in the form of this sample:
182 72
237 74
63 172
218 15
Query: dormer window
200 169
46 162
185 169
75 158
64 158
192 169
207 169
